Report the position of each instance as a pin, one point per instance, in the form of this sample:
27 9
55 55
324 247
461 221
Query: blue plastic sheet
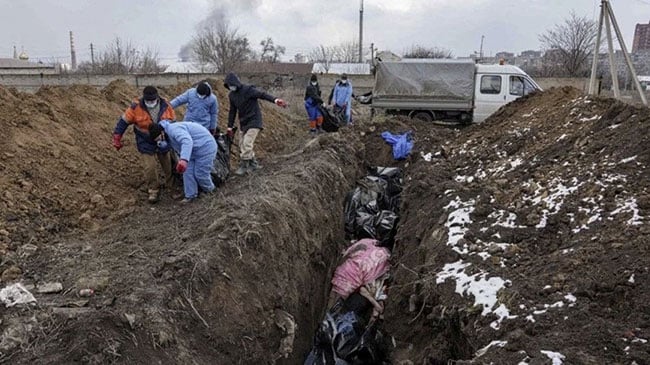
402 144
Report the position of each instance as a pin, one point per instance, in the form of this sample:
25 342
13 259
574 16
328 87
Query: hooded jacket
203 111
244 101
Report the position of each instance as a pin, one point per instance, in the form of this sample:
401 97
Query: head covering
313 78
203 89
344 76
150 93
154 130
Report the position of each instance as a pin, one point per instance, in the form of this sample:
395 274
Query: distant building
340 68
507 57
641 38
10 66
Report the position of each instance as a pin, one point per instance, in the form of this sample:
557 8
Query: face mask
314 83
162 144
201 96
232 88
344 82
151 104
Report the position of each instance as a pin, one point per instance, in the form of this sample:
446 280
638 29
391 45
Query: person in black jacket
243 100
313 102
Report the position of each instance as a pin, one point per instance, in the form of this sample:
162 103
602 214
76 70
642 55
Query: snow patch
556 357
485 349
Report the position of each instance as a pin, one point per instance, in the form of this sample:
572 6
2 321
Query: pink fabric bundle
364 263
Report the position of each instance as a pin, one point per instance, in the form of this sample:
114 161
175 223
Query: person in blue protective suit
313 101
197 150
142 113
202 106
244 101
342 97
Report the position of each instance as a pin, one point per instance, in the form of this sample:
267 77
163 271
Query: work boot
312 133
154 196
254 165
243 168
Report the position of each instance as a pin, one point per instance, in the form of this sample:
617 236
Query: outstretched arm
181 99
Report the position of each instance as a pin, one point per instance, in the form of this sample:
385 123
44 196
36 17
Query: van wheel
423 116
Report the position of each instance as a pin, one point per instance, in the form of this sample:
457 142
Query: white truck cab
497 85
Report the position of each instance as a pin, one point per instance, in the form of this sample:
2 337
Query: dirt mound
537 219
56 162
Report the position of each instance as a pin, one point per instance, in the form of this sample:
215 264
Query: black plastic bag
221 169
331 121
345 336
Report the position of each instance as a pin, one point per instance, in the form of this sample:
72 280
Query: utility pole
372 52
607 16
73 53
361 33
92 54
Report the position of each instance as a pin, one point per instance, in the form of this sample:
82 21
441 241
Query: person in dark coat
243 101
313 101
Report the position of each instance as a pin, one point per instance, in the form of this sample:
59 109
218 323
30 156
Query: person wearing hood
313 101
197 150
143 113
342 97
202 106
244 102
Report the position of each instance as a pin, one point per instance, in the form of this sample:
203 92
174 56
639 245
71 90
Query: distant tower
361 33
15 53
641 40
73 53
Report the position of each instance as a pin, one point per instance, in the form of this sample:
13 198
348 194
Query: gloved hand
117 141
281 103
181 166
230 133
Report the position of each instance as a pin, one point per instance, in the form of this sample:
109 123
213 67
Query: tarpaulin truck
446 90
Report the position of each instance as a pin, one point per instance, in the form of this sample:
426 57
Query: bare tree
418 51
148 62
323 55
220 45
347 52
271 52
123 57
573 42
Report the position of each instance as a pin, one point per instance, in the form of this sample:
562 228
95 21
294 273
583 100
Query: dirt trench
200 284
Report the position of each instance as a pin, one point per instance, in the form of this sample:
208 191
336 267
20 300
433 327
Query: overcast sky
42 26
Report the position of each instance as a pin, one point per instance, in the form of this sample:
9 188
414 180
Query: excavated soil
542 208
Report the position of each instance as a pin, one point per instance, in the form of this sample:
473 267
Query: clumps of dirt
526 241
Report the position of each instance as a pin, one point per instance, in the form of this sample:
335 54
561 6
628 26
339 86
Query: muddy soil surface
522 239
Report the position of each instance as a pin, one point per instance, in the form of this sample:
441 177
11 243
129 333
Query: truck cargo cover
439 79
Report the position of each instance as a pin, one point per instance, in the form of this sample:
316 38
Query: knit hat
344 76
154 130
150 93
203 89
313 78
